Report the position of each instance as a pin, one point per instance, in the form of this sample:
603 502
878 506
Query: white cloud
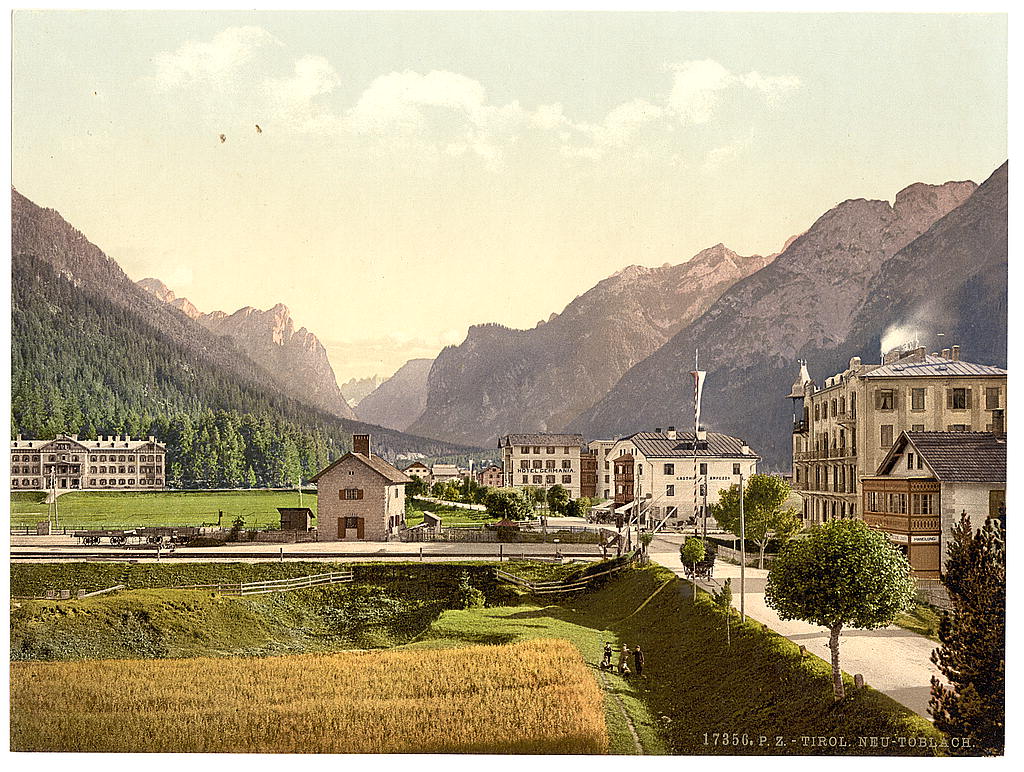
395 101
295 97
699 87
773 86
695 90
200 61
721 156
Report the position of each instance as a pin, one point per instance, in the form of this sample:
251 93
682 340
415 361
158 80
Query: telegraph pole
743 558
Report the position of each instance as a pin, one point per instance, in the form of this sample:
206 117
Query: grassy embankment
693 683
132 510
449 515
534 697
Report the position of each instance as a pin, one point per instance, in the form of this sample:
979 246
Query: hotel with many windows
68 463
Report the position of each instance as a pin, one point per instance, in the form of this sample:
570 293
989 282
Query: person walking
606 663
638 660
624 660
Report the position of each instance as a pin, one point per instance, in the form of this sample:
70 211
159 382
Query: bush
205 541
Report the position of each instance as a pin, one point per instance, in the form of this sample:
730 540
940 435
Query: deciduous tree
843 574
763 512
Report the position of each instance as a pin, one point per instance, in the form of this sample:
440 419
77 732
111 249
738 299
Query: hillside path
894 661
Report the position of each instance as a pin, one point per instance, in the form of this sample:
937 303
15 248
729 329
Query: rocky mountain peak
157 288
927 203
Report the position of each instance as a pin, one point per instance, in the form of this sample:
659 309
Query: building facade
542 460
843 430
443 473
360 496
491 476
674 476
419 470
923 485
604 482
68 463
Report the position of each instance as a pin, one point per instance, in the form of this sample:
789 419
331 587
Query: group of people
624 652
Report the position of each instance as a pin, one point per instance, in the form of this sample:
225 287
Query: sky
417 173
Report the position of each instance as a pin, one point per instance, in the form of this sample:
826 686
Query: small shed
296 518
432 521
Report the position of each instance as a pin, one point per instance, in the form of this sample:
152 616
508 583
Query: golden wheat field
531 697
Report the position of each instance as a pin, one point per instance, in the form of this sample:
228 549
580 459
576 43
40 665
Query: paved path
894 661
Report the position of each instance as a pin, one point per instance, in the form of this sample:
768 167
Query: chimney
657 430
671 432
998 423
19 438
945 353
956 353
702 435
745 449
361 444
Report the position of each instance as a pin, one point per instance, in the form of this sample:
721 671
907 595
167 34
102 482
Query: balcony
908 524
842 451
800 427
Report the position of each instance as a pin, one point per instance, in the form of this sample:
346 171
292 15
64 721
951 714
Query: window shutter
359 493
949 399
878 399
895 399
968 403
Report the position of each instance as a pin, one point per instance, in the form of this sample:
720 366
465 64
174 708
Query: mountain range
934 261
501 380
399 400
94 353
296 359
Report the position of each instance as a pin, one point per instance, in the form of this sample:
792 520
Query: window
834 411
885 399
736 470
351 494
917 428
923 504
538 479
919 464
992 397
910 460
549 464
959 427
606 492
886 435
550 479
606 479
351 522
917 399
526 479
566 463
538 464
524 463
703 469
567 478
816 416
526 450
565 451
958 399
670 490
669 469
842 405
536 450
853 405
550 449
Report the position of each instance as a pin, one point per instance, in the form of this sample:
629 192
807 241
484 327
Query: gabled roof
376 463
118 443
954 456
419 464
660 445
541 439
932 366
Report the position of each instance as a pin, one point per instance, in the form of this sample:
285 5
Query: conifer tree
972 656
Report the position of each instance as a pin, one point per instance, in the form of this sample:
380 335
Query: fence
573 585
933 592
733 556
283 585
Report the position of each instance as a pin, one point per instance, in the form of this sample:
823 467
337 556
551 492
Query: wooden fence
574 585
283 585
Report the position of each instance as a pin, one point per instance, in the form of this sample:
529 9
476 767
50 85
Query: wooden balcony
908 524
